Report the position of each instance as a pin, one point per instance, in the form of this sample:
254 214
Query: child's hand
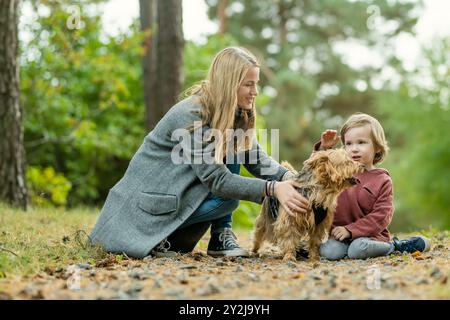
340 233
329 139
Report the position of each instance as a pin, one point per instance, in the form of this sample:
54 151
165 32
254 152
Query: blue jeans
216 209
360 248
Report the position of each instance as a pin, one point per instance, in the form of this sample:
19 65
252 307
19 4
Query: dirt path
197 276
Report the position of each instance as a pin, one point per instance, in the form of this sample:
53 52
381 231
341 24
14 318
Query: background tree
83 101
148 15
163 62
417 117
222 16
12 156
305 71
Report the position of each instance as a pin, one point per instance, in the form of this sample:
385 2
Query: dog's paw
314 258
289 257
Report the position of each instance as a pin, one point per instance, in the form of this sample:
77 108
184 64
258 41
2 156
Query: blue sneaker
413 244
223 244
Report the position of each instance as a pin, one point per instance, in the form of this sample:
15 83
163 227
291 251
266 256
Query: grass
49 238
44 238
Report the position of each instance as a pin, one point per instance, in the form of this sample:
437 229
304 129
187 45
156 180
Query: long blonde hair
377 133
218 96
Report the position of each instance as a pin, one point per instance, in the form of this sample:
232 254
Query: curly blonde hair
377 133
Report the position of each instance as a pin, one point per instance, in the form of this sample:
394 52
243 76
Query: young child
364 211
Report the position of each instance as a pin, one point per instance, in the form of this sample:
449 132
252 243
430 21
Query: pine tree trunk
148 16
283 21
12 154
170 45
163 61
223 18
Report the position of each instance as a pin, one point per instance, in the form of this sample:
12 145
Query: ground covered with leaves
43 256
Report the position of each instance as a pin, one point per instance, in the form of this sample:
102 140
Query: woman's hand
291 200
329 139
340 233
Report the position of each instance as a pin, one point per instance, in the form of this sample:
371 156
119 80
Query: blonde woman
185 176
364 212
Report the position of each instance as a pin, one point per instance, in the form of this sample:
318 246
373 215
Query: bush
46 187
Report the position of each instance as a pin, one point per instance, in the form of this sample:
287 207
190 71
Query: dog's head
333 169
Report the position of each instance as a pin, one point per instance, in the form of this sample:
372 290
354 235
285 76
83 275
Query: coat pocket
157 203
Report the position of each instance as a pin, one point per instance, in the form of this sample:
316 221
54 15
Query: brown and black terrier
323 177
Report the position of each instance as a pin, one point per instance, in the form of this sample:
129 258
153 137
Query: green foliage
197 58
416 118
46 187
245 215
82 95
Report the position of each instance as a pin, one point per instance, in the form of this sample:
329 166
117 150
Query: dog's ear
315 159
332 172
318 162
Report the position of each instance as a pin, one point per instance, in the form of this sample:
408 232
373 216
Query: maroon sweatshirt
366 209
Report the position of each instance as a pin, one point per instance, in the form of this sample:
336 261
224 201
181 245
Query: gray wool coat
155 196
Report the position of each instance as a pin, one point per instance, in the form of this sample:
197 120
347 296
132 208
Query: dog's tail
288 166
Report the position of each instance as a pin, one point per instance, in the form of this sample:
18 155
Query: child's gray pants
360 248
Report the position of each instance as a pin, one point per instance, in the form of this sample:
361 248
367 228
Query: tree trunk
148 25
223 18
283 21
163 61
12 154
170 44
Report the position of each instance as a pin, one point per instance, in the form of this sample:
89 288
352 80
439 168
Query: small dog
323 177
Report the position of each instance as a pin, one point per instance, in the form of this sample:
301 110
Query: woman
166 202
